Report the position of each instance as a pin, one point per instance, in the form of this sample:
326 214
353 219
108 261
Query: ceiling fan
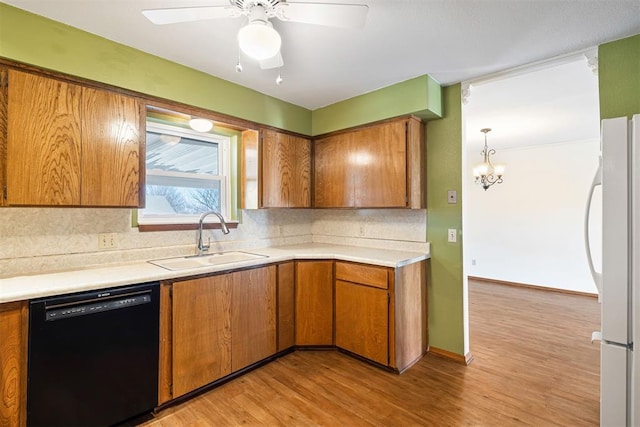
258 39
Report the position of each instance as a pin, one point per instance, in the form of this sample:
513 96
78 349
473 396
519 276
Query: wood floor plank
533 365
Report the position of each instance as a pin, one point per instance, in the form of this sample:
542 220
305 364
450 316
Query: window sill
177 227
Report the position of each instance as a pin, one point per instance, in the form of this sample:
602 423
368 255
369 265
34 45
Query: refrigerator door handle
597 277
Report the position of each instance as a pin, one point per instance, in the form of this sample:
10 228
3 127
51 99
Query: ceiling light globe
201 125
259 40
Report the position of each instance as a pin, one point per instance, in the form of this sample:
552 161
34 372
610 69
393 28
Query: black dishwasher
93 357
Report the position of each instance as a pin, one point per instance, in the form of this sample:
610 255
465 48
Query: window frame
224 170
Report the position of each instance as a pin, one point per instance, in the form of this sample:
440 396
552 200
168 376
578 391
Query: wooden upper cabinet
110 149
285 170
379 163
68 145
377 166
333 178
43 141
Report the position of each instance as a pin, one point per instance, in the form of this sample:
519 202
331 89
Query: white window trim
223 168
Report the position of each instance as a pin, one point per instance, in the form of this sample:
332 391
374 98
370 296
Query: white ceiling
550 103
452 40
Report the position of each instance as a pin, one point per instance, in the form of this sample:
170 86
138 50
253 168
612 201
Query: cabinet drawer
364 274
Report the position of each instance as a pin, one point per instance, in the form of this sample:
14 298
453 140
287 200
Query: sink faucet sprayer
223 225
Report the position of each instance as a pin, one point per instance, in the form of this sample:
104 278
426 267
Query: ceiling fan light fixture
259 40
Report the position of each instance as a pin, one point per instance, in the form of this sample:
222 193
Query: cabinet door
363 168
333 172
285 170
314 303
3 131
43 141
362 320
379 156
253 316
13 363
201 332
110 149
286 307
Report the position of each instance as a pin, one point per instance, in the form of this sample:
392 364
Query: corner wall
619 77
444 172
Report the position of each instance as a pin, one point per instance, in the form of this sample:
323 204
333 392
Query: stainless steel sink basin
194 261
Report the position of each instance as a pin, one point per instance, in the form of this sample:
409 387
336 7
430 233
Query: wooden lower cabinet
201 336
314 303
253 316
286 306
217 325
13 363
381 313
362 320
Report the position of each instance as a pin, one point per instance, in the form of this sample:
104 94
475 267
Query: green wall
35 40
420 96
444 172
619 77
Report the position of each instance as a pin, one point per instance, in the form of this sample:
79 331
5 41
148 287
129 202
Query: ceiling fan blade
189 14
329 14
273 62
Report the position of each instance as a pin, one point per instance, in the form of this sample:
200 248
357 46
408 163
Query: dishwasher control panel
57 313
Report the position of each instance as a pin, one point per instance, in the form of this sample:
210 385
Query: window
187 174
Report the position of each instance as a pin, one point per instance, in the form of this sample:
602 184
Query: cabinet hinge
171 389
4 192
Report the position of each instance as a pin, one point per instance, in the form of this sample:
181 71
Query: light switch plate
452 196
452 235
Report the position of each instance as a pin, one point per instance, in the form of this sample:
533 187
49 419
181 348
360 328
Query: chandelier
486 173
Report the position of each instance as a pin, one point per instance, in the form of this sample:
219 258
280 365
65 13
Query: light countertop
105 276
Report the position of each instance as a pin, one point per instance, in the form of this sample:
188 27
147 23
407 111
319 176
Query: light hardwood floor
533 365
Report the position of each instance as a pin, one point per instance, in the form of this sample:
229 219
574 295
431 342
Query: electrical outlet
107 240
361 231
452 236
473 262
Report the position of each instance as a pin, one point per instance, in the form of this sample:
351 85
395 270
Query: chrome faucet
202 248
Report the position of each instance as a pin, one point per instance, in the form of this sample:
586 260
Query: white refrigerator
619 282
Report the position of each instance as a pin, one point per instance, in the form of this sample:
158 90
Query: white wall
529 229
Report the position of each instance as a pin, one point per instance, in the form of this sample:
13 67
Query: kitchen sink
209 260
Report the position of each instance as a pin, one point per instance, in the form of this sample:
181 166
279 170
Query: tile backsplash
35 240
